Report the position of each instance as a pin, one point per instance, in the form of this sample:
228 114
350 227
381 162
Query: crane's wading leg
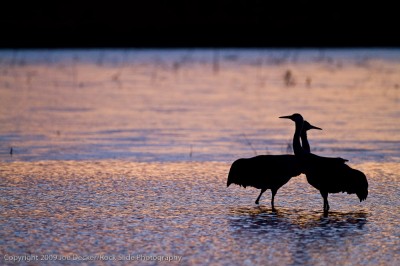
325 197
273 197
259 196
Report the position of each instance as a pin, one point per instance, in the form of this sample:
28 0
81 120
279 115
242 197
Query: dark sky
220 23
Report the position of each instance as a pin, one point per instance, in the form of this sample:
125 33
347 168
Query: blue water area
202 105
121 208
120 154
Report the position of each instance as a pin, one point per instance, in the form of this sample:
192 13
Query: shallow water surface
184 209
125 154
203 105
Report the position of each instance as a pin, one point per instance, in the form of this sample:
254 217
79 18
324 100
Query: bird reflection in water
300 236
259 216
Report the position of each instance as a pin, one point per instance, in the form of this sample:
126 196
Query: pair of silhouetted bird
328 175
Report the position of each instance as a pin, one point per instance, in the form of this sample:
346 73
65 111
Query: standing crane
328 175
266 171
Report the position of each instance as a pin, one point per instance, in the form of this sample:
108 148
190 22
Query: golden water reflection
171 105
184 208
127 152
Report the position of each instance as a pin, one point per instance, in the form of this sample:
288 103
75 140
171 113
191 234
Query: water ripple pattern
203 105
119 208
126 153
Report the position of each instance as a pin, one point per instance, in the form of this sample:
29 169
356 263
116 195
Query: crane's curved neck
298 150
304 142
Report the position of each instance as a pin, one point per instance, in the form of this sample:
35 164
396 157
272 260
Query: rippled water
120 207
122 153
201 105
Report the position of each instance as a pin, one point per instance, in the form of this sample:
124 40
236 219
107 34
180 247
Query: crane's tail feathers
231 178
235 173
362 190
356 183
362 195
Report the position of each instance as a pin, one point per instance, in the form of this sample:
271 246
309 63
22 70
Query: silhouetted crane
304 140
266 171
328 175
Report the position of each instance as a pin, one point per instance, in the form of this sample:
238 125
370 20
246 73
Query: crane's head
297 118
308 126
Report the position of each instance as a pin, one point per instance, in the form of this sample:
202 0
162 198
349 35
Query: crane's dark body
332 175
264 172
328 175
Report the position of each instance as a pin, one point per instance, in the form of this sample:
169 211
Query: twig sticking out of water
249 143
289 79
289 148
116 78
308 81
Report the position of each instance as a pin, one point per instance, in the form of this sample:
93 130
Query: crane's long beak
286 116
314 127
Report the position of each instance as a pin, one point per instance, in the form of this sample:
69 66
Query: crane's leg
273 197
259 196
325 197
